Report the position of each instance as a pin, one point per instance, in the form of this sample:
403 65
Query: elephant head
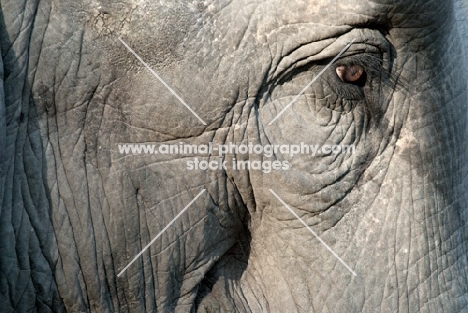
87 226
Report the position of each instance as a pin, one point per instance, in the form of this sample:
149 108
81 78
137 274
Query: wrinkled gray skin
75 212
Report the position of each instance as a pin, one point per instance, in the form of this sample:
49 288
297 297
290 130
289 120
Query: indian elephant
81 77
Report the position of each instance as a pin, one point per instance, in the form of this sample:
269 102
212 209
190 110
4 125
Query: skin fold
75 211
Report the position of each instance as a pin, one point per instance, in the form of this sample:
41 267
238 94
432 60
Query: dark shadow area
215 292
28 249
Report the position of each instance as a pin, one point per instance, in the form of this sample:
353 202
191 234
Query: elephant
88 227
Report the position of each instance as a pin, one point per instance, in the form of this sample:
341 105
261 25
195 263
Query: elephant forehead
204 33
178 22
270 17
222 52
346 12
271 14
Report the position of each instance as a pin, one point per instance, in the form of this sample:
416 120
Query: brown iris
349 74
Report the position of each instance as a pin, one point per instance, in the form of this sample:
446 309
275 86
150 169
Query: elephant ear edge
28 253
461 18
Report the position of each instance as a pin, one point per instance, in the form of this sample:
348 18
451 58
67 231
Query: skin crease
75 211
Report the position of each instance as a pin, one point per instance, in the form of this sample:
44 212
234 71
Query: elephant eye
353 74
341 87
352 77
